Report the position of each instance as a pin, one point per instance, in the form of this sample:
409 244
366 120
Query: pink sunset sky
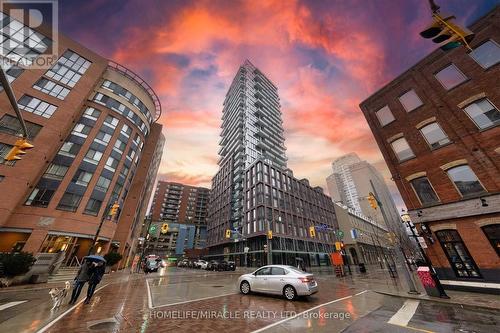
324 56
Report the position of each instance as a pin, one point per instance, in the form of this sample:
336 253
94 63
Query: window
12 72
81 130
483 113
424 191
465 180
277 271
457 254
91 113
69 68
450 77
93 207
82 177
40 197
55 171
486 54
103 137
36 106
11 125
69 202
492 232
111 164
126 130
263 271
4 150
434 135
120 145
69 149
102 184
402 149
51 88
410 100
93 156
111 121
384 116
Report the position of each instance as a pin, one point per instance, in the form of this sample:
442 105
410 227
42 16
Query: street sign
422 242
354 233
153 229
340 234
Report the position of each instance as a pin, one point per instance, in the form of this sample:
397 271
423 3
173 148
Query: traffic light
164 228
338 246
19 149
372 200
312 232
269 234
228 233
114 209
442 29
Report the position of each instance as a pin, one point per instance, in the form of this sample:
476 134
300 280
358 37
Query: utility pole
110 211
398 250
269 244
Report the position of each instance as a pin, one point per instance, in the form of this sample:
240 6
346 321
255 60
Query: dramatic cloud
324 56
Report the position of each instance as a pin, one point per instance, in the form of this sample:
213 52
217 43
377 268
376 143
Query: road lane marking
55 320
10 304
405 313
415 329
311 309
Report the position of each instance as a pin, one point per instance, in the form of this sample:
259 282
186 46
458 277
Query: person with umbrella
96 272
81 277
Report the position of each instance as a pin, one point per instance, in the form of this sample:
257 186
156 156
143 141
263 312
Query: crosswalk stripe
10 304
405 313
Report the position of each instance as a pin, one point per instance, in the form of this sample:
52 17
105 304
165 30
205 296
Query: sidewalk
380 281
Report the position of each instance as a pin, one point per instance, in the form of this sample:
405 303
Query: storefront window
458 255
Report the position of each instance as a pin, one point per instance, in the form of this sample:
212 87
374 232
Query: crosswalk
10 304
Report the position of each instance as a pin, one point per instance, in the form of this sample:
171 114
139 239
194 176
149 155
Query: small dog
58 294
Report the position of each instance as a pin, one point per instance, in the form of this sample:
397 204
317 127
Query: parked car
278 280
202 264
231 266
151 265
183 263
213 265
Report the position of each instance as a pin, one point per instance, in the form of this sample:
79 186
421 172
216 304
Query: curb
438 300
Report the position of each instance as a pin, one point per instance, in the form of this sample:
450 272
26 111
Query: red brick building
93 125
437 126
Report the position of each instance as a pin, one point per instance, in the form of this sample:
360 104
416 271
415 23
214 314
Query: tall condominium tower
254 192
351 182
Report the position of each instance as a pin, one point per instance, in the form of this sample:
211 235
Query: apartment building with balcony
93 125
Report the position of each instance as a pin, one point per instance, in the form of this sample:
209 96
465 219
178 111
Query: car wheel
245 288
289 293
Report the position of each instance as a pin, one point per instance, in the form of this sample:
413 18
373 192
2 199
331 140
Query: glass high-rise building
254 191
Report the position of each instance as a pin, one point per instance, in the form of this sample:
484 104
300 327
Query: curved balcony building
93 125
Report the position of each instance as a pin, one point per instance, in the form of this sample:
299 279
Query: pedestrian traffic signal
269 234
114 209
228 233
312 232
442 29
164 228
372 200
19 149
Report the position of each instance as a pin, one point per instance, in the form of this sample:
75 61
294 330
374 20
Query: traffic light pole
269 245
13 101
94 242
399 250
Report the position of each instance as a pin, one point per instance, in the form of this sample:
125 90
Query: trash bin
362 268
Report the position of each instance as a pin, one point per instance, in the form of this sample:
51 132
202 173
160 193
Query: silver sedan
279 280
